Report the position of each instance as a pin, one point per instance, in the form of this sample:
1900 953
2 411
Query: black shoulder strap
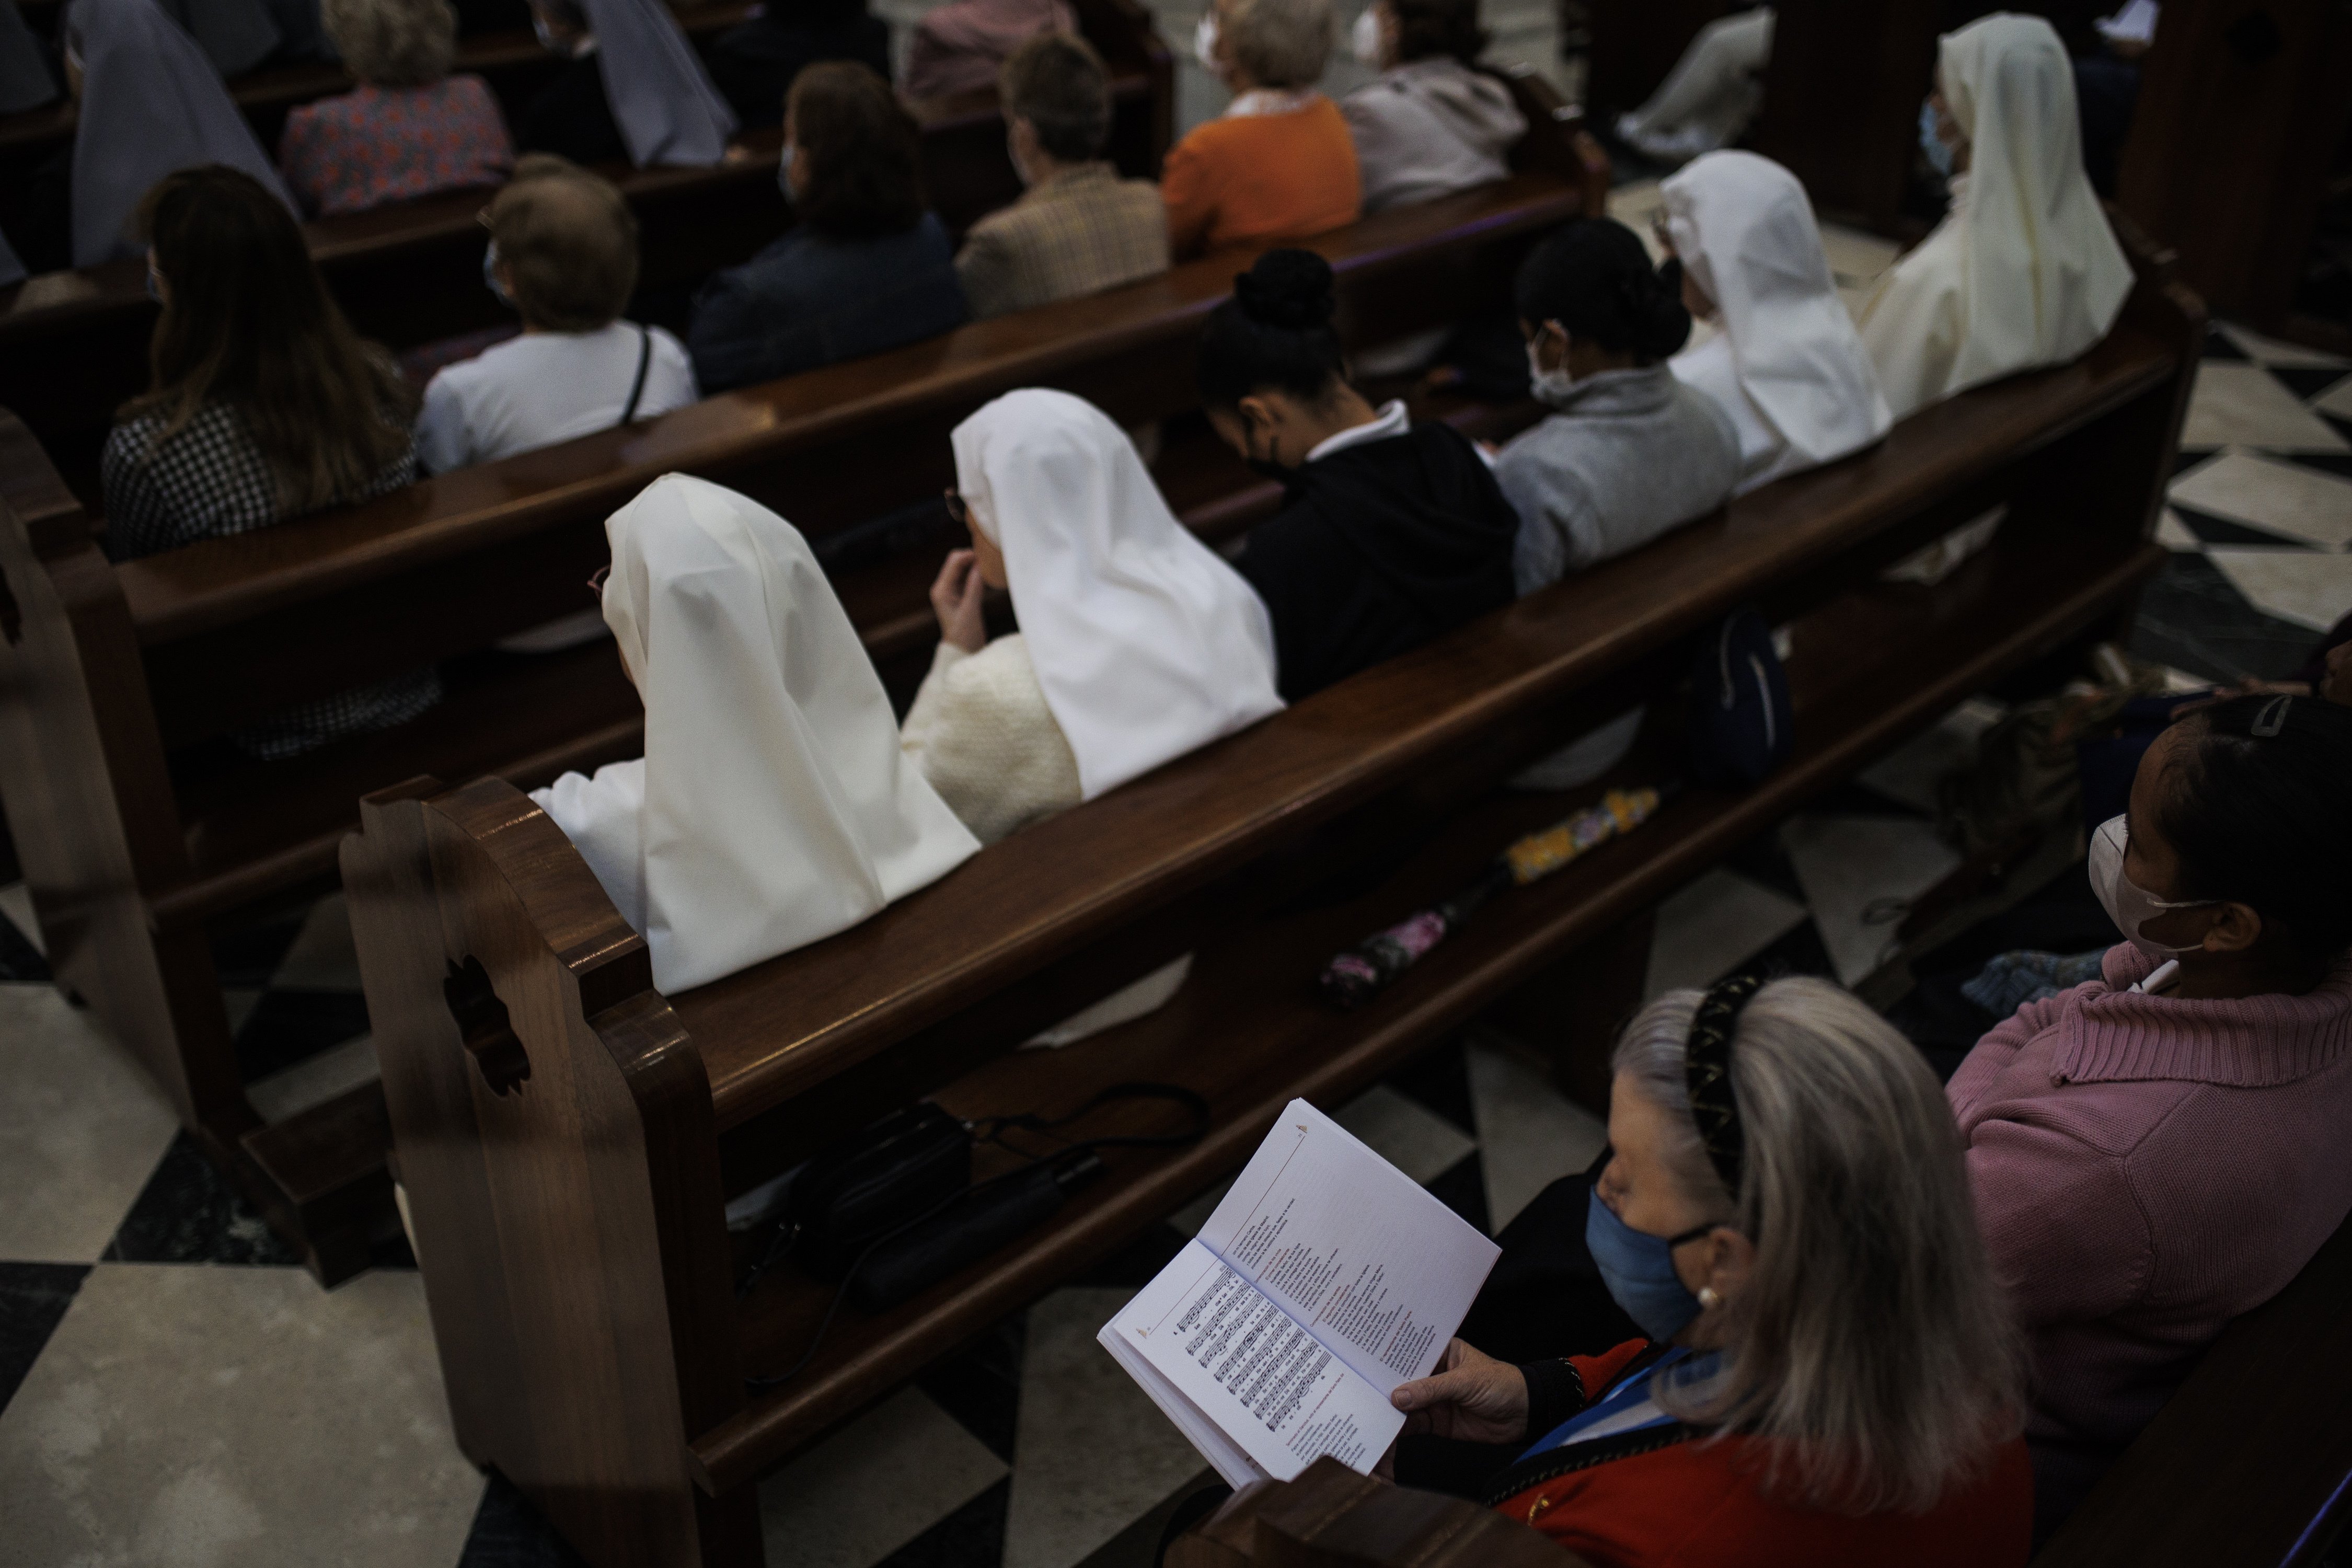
637 387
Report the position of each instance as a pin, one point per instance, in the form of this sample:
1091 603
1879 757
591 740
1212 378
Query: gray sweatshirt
1429 129
1627 455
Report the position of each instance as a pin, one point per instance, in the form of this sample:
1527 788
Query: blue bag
1741 725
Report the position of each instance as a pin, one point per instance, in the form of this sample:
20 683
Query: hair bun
1287 288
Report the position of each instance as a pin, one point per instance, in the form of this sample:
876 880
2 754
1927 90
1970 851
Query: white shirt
1393 421
544 387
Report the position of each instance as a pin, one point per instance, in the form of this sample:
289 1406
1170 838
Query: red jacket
1672 1497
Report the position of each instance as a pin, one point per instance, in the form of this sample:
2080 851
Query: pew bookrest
484 939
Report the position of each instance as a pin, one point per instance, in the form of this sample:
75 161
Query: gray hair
1872 1340
1281 43
393 43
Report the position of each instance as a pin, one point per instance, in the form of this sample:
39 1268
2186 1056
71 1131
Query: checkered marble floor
174 1391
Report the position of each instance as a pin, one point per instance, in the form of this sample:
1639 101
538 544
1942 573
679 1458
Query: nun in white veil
1786 364
773 807
661 94
2024 271
151 103
1137 643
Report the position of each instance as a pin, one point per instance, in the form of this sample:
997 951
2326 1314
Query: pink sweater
2145 1169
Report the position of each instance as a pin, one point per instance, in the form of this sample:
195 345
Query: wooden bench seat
482 933
149 664
73 346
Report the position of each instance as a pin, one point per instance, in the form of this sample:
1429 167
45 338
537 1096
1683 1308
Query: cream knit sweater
980 732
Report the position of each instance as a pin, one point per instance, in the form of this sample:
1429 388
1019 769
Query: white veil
661 95
1145 643
773 807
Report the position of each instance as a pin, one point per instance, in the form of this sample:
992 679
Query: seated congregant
961 46
1709 99
1628 452
1785 366
409 129
1431 124
1136 643
264 406
1389 532
1278 163
755 61
631 88
148 102
563 254
1827 1371
867 267
2160 1150
773 807
1078 228
2024 271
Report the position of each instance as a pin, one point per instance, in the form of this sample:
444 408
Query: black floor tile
970 1537
2336 463
1762 860
2307 382
2192 618
20 962
1439 1080
2222 531
248 956
189 1213
291 1026
1138 1263
33 1301
1799 952
1463 1189
2218 347
511 1532
979 1385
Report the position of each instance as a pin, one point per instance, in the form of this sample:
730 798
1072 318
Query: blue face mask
1938 154
490 273
1639 1269
784 172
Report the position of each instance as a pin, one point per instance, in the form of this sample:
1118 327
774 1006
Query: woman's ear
1551 345
2235 928
1730 1262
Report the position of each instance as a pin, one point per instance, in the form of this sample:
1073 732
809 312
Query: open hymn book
1324 1279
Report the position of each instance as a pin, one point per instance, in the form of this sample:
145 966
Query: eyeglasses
597 584
957 509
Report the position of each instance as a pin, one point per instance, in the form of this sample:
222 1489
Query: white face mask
1204 42
1549 385
784 171
2128 904
1365 38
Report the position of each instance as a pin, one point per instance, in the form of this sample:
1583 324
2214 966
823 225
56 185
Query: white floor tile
1529 1134
1712 926
2336 399
316 1080
2304 586
322 957
2270 350
2285 498
1856 257
1093 1451
16 903
81 1127
2237 405
2173 533
1857 872
191 1417
873 1486
1418 1141
1911 772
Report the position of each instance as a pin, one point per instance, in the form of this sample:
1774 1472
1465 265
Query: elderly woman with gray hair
1278 163
1829 1375
409 129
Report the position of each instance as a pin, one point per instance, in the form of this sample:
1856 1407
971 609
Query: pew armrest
1330 1517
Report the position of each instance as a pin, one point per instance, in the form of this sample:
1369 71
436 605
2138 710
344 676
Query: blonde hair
1870 1346
1281 43
393 43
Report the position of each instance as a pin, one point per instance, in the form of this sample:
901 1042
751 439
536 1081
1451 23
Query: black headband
1707 1068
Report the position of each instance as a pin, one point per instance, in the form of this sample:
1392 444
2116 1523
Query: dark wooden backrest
73 346
1330 1517
1634 44
2249 1464
1842 102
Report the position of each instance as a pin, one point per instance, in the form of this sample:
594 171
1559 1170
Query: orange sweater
1261 176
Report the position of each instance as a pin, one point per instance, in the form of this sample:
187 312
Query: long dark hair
865 173
2260 811
248 323
1274 333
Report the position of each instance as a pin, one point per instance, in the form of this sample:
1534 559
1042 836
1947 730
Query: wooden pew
484 938
148 659
514 64
73 346
1842 102
2240 135
1635 44
1330 1517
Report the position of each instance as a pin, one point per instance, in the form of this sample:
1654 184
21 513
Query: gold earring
1708 1300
